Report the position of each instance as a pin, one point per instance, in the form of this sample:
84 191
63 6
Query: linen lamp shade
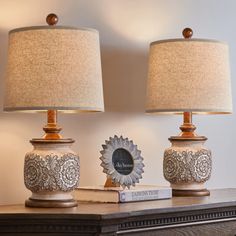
189 75
54 67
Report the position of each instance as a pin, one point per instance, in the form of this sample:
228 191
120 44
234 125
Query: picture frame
122 161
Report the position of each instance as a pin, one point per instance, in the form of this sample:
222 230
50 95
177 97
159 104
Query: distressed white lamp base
51 172
187 166
52 169
187 163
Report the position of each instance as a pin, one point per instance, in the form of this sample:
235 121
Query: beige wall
126 28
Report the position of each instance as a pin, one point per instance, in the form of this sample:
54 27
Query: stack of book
119 195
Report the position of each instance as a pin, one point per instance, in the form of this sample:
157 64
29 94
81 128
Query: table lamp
188 76
53 68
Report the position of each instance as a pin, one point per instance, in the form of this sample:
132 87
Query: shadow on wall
124 79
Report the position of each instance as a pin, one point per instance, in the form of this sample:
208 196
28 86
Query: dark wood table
213 215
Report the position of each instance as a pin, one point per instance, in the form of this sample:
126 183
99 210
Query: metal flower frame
109 148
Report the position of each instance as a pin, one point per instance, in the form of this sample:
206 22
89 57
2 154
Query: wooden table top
85 210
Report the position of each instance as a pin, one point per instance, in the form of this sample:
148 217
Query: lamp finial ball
187 33
52 19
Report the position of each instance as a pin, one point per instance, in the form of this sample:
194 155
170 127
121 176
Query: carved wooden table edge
119 218
177 219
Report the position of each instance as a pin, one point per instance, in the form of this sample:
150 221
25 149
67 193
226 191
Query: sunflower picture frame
122 161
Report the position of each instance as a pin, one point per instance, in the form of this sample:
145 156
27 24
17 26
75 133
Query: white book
119 195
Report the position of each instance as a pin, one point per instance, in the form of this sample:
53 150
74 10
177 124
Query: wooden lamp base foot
50 203
190 193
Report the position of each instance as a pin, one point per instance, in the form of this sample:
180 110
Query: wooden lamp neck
51 128
187 127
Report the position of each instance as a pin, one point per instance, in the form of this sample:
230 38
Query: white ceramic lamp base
187 166
187 163
51 173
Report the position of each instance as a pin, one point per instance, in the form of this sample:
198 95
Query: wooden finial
187 33
52 19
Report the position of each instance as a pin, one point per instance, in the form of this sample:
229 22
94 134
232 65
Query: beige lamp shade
189 75
53 67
